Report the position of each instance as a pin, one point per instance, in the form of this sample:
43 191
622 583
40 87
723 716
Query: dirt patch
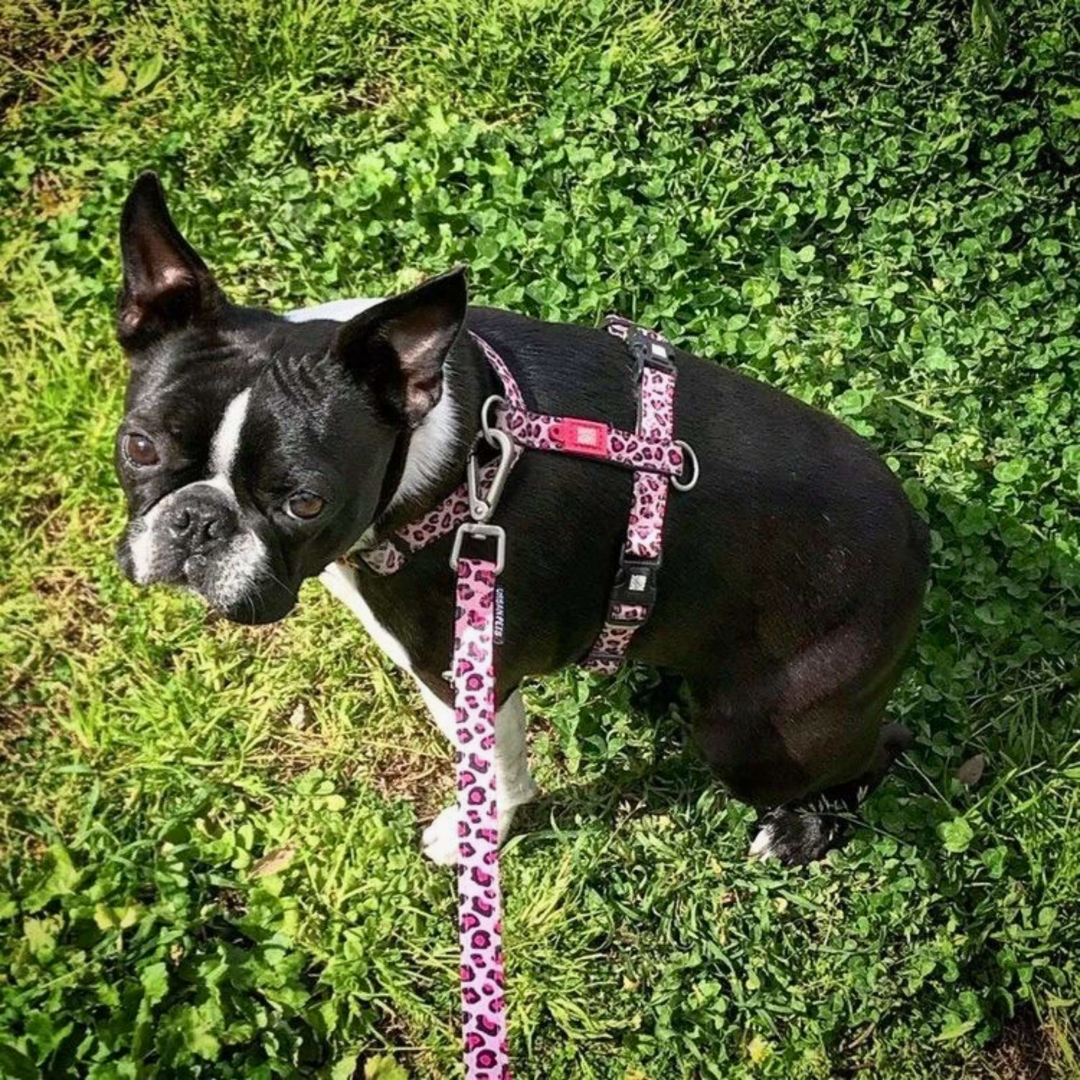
413 773
14 727
67 592
52 196
40 36
1025 1050
420 779
37 511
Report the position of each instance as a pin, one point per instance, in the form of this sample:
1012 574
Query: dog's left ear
397 348
166 283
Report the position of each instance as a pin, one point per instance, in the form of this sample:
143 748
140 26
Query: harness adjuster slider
588 437
480 531
648 352
635 582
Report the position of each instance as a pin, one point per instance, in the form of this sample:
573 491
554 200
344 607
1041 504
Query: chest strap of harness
656 458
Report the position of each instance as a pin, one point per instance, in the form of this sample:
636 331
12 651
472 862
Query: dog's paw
440 839
795 838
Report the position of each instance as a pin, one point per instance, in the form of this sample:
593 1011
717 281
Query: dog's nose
202 524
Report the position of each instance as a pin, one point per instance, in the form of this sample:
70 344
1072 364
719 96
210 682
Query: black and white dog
257 450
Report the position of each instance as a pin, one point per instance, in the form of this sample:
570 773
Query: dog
258 451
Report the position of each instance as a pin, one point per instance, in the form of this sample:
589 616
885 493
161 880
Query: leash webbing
483 1006
509 427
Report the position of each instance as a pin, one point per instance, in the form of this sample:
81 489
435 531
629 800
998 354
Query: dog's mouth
264 599
237 582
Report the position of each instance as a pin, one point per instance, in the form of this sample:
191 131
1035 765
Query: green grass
208 835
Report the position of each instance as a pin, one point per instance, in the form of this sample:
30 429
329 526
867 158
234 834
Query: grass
208 835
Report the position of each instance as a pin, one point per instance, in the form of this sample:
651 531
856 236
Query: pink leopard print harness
657 461
656 458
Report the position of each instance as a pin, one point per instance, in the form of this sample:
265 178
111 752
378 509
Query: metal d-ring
688 455
486 426
482 507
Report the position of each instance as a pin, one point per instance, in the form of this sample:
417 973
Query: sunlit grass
856 204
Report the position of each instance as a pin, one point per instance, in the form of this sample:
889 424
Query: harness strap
656 458
650 449
634 591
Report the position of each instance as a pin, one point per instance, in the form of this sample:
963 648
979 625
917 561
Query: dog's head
253 450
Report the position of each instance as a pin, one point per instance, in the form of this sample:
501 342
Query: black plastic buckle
648 352
635 582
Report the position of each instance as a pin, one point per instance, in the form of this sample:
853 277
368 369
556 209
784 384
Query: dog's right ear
397 347
166 284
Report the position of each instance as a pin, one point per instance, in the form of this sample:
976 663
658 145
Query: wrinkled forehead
187 385
301 407
185 400
291 414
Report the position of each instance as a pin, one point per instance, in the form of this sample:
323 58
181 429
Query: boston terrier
258 451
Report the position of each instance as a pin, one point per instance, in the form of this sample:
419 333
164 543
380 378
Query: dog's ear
397 348
166 284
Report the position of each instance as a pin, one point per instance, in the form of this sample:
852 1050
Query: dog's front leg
515 786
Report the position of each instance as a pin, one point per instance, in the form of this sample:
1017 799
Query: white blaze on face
244 559
226 442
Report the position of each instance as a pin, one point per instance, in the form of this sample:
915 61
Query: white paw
764 843
440 839
795 838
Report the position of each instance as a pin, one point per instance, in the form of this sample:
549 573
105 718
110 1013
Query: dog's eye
140 450
304 505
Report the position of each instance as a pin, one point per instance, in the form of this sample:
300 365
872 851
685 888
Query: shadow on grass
667 773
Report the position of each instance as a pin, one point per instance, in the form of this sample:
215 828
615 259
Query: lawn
209 863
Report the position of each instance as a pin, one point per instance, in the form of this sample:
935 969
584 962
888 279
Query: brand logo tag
500 616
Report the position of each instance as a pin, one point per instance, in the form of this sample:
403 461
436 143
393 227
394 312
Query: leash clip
482 507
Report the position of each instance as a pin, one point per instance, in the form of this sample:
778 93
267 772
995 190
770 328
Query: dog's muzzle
196 537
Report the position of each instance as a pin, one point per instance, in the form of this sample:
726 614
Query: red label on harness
581 437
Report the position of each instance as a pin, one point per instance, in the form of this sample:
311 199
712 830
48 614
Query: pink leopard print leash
483 1006
657 460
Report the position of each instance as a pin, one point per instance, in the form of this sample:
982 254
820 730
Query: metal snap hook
677 482
482 507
